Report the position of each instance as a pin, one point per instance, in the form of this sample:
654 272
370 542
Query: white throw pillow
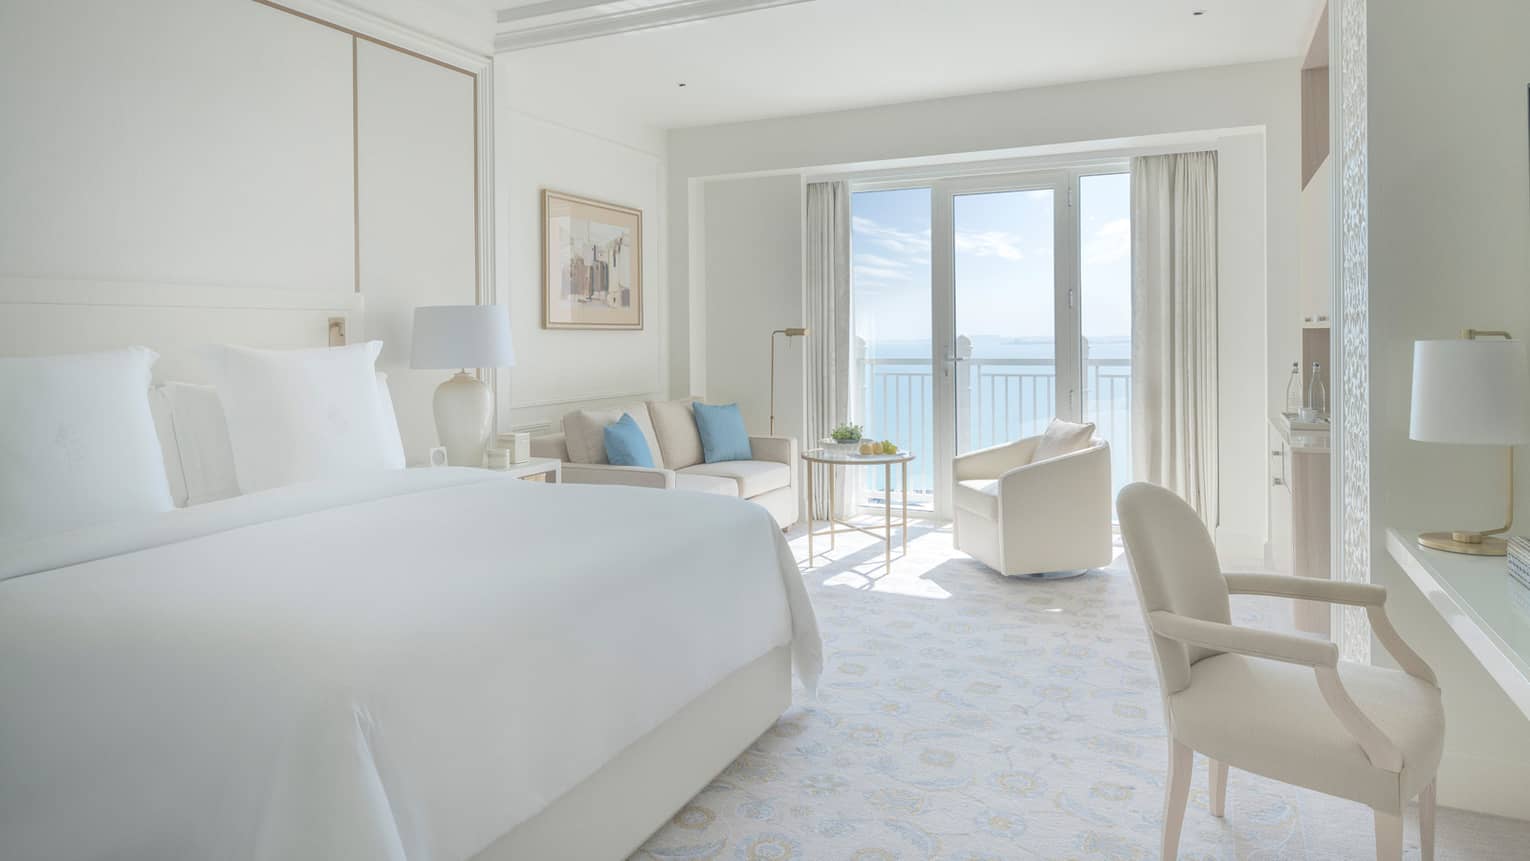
77 442
675 424
301 415
1062 438
205 451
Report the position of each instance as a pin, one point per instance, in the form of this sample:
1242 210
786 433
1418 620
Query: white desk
1475 597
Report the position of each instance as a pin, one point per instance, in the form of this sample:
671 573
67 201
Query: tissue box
518 446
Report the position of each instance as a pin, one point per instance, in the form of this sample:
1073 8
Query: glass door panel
892 395
1004 288
1105 314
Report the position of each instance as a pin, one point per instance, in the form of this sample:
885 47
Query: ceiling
827 55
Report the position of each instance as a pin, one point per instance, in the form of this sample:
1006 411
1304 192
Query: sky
1004 262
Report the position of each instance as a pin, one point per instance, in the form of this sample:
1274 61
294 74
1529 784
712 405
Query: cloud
863 260
908 243
990 243
880 272
1111 243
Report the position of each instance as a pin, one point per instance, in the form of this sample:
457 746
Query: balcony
998 401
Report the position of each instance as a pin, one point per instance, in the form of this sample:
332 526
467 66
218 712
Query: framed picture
592 264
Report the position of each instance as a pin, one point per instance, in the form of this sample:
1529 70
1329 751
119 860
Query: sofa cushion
753 477
584 432
625 445
675 426
979 496
701 483
1062 438
723 436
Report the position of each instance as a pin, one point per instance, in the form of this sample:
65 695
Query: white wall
215 144
414 171
132 152
1259 184
1449 208
560 370
754 248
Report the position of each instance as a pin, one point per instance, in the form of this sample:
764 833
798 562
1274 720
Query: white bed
417 664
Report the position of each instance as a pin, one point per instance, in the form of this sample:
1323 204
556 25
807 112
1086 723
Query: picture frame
592 264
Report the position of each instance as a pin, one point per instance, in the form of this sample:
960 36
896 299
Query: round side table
823 457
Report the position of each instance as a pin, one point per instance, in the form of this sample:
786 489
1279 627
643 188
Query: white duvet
404 667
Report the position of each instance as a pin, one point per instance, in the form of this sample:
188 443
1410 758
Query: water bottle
1294 391
1317 395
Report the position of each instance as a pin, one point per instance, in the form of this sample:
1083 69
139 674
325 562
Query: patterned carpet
966 717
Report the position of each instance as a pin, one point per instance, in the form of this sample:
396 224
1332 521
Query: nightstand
548 469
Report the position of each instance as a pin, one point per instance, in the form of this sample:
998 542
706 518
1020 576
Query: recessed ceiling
835 54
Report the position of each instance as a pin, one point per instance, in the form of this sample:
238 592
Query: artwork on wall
592 264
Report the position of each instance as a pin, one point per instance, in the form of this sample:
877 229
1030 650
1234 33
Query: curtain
828 320
1174 326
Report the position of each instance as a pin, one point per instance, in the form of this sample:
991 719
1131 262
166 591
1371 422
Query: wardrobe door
416 213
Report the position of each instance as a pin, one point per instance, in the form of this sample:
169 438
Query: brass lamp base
1470 543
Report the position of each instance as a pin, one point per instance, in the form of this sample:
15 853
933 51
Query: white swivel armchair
1034 518
1276 704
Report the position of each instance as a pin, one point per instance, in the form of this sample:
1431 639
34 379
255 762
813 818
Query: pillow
1062 438
301 415
204 455
584 432
164 428
675 426
723 436
77 444
202 442
625 445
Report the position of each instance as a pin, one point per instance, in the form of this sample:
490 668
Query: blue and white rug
963 716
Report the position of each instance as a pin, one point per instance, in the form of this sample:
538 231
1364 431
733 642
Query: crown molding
574 20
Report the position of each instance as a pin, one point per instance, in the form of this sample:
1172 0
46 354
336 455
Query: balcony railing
998 400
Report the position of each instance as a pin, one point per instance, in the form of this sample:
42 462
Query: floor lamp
794 332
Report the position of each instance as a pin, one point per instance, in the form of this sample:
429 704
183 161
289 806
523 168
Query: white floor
963 716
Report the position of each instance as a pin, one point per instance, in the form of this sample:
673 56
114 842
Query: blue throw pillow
722 432
625 445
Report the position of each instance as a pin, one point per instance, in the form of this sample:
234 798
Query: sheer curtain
828 319
1174 326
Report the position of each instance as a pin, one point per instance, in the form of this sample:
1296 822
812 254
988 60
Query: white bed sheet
403 667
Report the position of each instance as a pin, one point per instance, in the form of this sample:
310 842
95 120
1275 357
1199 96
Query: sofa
768 478
1029 516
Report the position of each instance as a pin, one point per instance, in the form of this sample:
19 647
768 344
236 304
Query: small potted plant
844 438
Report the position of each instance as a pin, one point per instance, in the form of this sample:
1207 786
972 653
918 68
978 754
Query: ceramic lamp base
464 409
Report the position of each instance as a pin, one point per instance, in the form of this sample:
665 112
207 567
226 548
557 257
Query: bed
415 664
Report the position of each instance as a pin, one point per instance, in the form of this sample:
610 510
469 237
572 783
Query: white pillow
205 451
77 442
301 415
1062 438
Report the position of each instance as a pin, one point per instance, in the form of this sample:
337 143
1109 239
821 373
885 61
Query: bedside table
548 469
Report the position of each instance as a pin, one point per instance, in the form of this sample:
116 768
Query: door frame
1064 181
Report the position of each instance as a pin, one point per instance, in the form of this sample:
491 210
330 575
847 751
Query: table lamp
793 332
1470 391
463 337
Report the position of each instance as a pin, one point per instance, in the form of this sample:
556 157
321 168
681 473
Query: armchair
1048 518
1276 704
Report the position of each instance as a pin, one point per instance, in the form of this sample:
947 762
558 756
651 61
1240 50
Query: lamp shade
462 336
1471 392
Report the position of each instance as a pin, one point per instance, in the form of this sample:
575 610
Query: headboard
46 316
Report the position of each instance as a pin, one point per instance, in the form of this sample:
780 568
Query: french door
1025 294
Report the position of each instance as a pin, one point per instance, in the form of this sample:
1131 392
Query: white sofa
1026 518
769 478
